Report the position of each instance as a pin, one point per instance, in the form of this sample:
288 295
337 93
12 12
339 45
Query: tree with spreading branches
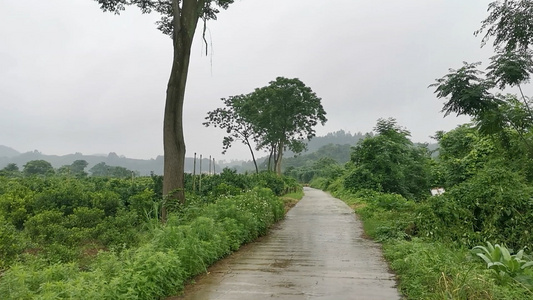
284 114
468 91
276 117
179 19
231 119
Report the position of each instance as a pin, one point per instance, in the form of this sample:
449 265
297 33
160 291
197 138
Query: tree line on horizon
146 166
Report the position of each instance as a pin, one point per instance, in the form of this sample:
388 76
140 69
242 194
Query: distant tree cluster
76 169
104 170
339 137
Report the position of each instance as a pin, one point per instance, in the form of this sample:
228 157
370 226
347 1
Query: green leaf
490 247
527 265
505 253
485 258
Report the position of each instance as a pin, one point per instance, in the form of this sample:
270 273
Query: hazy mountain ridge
340 153
336 145
340 137
8 152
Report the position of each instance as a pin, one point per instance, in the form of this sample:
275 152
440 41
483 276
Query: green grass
295 195
290 199
431 270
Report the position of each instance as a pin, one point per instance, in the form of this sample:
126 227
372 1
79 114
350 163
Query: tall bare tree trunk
185 21
253 156
269 160
279 158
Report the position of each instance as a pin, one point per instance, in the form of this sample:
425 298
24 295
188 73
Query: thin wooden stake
194 174
200 180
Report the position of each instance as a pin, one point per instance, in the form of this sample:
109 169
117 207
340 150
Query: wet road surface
317 252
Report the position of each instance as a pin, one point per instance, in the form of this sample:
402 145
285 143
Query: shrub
12 243
272 181
494 204
16 204
190 241
142 202
320 183
108 201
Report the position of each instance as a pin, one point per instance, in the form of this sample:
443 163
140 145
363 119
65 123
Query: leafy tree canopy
78 167
12 167
103 170
510 23
467 92
389 162
231 119
166 9
38 167
510 68
284 115
276 117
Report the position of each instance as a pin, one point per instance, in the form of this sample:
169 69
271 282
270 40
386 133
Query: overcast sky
75 79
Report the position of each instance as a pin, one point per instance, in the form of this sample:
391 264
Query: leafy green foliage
231 119
500 260
38 167
103 170
276 117
389 162
500 205
11 170
325 167
462 153
433 270
284 114
189 242
510 68
208 11
57 217
230 183
65 237
468 93
510 23
11 243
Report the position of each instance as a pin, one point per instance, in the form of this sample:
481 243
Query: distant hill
340 153
340 137
336 145
6 151
143 166
339 149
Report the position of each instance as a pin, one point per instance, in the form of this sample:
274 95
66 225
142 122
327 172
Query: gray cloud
74 79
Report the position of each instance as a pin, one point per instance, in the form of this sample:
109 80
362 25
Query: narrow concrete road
317 252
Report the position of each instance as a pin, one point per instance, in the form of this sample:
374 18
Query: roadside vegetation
89 237
442 247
